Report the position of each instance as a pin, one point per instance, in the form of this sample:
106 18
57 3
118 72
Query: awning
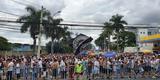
151 38
146 49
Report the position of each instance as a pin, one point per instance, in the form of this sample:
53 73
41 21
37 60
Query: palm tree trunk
52 48
109 43
117 43
104 45
34 46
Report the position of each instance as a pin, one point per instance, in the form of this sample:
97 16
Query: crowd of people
71 67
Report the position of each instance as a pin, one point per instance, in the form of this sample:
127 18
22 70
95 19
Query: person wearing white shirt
18 70
96 68
63 69
10 70
40 67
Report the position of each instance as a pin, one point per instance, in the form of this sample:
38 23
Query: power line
83 25
81 22
9 18
62 21
77 22
84 29
17 27
10 13
32 3
9 28
21 3
67 24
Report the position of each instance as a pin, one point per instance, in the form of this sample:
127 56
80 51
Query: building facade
142 31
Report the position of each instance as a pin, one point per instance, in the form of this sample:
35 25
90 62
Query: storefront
152 39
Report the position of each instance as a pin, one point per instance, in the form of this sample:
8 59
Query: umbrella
109 54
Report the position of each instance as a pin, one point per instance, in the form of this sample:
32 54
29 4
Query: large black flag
80 42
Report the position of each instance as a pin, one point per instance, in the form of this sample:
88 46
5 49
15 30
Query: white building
143 30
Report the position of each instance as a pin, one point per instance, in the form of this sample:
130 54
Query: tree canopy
115 28
32 22
4 44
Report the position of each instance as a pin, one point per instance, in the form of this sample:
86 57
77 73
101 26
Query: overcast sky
96 11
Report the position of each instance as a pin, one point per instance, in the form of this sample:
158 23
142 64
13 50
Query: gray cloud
152 17
97 11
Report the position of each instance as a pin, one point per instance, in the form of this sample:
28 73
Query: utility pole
108 42
104 44
40 33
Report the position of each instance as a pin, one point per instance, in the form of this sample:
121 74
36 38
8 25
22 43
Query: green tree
105 36
4 44
114 27
59 47
108 31
127 39
101 42
32 22
118 27
56 32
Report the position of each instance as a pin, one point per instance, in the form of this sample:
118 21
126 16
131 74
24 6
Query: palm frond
24 27
31 9
23 18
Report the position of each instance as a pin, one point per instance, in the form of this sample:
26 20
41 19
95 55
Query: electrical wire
9 28
9 13
82 25
84 29
32 3
67 24
23 4
17 27
62 21
81 22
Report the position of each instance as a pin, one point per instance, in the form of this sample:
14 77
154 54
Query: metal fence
35 73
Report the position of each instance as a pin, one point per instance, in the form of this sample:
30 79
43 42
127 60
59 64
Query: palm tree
53 31
118 26
66 35
108 31
118 23
32 22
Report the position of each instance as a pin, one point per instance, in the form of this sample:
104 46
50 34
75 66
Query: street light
56 13
52 43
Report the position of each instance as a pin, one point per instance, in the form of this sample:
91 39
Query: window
149 33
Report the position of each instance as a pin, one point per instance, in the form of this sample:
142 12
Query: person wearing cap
78 70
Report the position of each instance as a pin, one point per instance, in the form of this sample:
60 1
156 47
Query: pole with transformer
40 33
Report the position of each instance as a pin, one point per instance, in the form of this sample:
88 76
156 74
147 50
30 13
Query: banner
80 42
